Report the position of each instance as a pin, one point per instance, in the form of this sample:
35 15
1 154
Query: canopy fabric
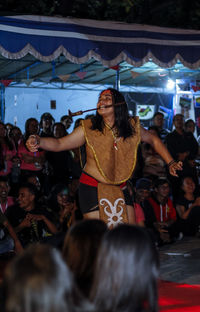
46 38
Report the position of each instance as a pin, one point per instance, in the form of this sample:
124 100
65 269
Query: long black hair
80 250
48 284
122 118
7 140
27 124
126 272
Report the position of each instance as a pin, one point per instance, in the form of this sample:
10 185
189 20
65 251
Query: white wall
23 103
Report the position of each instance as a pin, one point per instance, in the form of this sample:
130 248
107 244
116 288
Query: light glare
170 84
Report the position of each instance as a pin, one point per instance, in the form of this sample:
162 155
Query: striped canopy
46 38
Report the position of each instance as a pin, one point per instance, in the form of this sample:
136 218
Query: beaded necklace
114 133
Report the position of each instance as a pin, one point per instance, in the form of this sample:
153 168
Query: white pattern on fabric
113 211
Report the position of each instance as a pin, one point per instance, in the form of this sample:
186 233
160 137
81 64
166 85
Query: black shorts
88 198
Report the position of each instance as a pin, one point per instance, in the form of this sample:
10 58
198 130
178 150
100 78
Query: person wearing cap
112 139
143 189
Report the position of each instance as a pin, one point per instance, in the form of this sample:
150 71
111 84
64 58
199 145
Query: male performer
111 139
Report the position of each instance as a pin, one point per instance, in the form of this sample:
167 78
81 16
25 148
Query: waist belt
112 207
88 180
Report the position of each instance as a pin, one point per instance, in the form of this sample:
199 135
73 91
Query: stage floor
180 261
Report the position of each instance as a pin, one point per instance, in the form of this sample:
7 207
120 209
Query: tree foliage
171 13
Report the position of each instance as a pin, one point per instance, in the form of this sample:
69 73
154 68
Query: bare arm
160 148
32 159
71 141
52 228
185 213
18 246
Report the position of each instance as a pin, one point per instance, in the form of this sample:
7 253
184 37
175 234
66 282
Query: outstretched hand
33 143
174 167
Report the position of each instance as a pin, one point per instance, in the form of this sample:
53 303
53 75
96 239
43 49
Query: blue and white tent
46 38
38 49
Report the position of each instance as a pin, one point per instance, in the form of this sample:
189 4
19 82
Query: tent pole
117 81
2 103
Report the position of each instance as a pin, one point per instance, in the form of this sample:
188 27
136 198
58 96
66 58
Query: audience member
183 147
143 190
15 175
30 162
153 166
139 214
34 179
46 124
5 200
9 241
80 250
9 127
61 163
165 213
188 206
79 161
38 280
7 151
126 272
189 126
8 237
158 121
62 206
67 121
65 213
31 222
16 136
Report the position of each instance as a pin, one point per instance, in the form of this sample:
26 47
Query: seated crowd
40 219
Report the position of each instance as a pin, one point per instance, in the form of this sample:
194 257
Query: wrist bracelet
36 138
171 163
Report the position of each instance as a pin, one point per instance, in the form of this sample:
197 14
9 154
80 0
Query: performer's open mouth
102 107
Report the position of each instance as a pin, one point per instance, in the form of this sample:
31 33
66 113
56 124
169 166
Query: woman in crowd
16 136
38 280
188 206
46 124
7 152
126 272
62 206
111 138
30 161
80 250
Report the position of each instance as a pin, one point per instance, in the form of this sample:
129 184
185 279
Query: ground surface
180 261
